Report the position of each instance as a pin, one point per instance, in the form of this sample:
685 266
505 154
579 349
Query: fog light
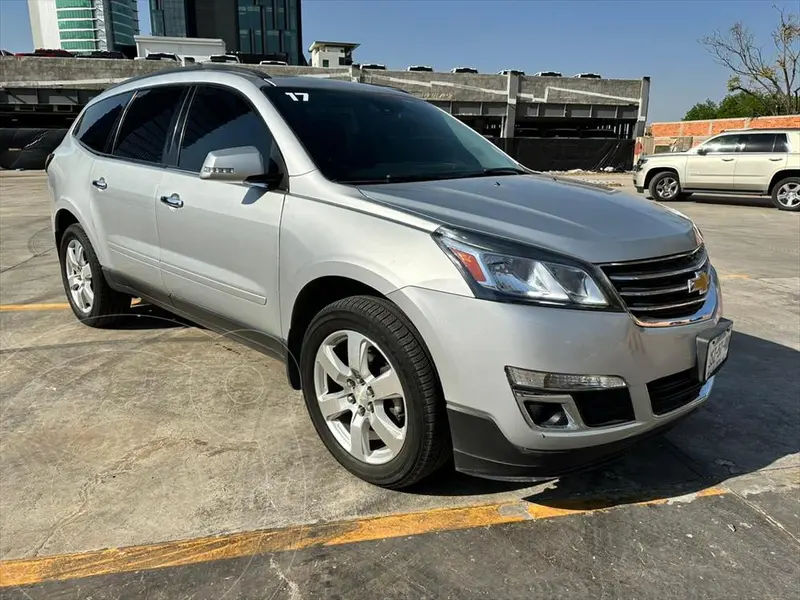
561 382
547 414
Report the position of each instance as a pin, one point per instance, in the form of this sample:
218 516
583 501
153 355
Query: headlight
496 272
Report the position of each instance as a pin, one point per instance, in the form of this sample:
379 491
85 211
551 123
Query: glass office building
83 25
259 28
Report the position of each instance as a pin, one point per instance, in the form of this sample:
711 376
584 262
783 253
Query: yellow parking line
43 306
237 545
26 307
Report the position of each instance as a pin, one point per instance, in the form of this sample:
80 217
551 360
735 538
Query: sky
617 38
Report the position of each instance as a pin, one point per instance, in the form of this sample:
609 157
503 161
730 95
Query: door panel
124 214
714 170
219 240
758 161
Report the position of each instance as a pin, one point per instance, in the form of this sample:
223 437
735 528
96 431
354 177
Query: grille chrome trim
693 267
669 306
658 292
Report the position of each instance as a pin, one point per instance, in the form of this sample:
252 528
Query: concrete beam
510 119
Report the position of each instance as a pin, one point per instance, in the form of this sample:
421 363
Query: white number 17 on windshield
298 96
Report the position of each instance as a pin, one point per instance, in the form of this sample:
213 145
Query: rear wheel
372 392
88 293
665 187
786 194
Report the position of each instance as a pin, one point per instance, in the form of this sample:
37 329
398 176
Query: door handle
727 159
100 184
173 201
775 159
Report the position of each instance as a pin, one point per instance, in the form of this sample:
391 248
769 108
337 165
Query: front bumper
638 180
472 341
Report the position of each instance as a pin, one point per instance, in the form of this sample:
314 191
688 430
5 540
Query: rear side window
220 119
781 143
759 142
147 123
725 143
98 121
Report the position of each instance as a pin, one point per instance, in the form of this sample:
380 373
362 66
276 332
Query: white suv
757 162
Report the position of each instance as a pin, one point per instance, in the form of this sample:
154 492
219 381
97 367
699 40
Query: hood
590 222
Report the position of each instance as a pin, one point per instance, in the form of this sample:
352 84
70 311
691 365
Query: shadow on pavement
751 421
146 316
759 201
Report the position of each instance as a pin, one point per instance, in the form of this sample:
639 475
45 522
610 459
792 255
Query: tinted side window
98 121
781 143
726 143
759 142
220 119
146 125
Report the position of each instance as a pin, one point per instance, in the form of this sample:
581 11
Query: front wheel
786 194
665 187
372 392
91 298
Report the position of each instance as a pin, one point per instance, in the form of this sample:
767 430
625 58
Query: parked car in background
420 68
587 76
526 325
463 70
223 58
279 63
161 56
511 72
547 74
762 162
5 53
374 66
101 54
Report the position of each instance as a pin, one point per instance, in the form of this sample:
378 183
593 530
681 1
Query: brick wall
714 126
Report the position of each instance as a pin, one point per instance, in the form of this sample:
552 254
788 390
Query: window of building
73 3
758 142
220 119
143 133
273 42
98 121
342 61
74 45
78 35
77 24
325 62
76 14
292 15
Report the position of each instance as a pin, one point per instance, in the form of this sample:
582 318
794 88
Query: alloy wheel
360 397
79 276
667 187
789 194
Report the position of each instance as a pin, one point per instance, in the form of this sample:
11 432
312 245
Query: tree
732 106
774 80
702 111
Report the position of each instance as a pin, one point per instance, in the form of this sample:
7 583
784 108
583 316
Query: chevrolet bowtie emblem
700 283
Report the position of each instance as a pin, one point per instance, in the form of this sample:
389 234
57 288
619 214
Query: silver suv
429 295
757 162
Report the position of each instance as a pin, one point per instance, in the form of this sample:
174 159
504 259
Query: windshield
378 137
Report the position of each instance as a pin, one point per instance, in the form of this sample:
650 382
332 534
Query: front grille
659 288
600 408
673 391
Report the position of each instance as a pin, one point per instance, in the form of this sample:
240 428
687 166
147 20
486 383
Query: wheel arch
312 298
780 176
656 170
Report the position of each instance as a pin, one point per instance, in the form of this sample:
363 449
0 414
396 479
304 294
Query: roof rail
237 68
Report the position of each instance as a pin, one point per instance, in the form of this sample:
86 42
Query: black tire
427 445
108 306
777 188
661 178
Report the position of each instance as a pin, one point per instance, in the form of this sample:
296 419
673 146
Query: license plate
713 352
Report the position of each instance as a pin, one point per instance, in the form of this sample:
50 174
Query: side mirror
702 151
233 164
